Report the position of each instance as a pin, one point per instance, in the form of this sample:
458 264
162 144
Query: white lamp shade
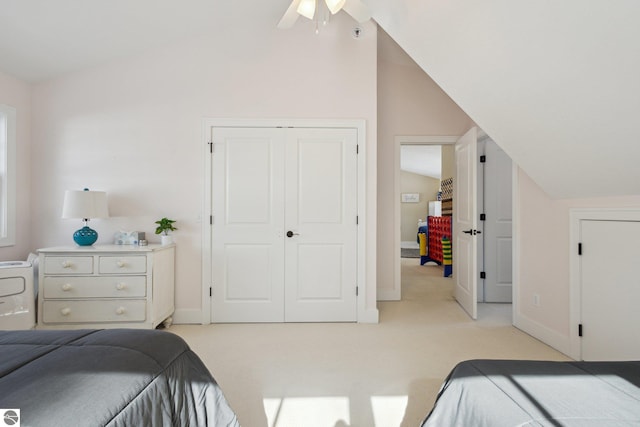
85 204
307 8
335 5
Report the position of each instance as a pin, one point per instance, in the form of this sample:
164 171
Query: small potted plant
165 225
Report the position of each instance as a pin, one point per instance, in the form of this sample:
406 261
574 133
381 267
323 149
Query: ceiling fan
307 8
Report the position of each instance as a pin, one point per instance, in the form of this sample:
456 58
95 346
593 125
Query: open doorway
407 226
422 187
424 217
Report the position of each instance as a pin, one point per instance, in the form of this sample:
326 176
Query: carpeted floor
357 375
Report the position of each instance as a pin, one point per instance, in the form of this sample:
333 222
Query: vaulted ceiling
555 83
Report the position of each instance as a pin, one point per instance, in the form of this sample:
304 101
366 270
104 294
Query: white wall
543 229
133 127
409 103
448 161
17 94
427 187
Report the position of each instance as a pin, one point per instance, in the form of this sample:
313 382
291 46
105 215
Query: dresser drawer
95 311
122 264
68 265
95 287
11 286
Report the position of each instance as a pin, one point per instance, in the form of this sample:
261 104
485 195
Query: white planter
166 240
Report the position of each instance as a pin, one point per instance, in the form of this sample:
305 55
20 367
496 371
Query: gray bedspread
497 393
115 377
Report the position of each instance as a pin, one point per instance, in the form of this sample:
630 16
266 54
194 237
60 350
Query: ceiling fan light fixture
335 5
307 8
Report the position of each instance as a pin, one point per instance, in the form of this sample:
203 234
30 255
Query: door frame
366 282
576 215
395 293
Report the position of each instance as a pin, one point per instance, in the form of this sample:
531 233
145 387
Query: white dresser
106 286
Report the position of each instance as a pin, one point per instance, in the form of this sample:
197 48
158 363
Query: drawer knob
120 264
120 286
120 310
66 287
66 264
65 311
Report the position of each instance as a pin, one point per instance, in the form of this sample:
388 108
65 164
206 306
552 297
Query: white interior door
465 215
321 216
284 233
498 225
248 225
610 290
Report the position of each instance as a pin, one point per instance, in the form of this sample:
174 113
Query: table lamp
86 205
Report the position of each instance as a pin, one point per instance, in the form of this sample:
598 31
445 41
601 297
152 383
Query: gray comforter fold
115 377
509 393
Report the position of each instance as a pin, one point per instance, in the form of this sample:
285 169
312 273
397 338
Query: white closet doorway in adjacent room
495 205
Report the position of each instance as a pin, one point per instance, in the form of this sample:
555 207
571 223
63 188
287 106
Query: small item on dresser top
126 238
164 227
142 238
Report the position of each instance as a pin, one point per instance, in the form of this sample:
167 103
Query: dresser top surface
96 249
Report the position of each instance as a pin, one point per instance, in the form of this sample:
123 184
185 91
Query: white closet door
610 290
267 182
321 211
247 232
498 285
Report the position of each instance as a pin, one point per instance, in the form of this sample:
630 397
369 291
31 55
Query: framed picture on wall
410 197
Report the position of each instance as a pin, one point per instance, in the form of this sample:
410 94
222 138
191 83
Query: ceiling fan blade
290 16
358 10
307 8
334 5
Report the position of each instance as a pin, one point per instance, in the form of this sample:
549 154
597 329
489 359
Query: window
7 175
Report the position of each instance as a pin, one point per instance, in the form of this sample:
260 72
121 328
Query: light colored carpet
364 375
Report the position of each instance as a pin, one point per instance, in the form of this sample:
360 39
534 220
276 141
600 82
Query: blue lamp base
85 236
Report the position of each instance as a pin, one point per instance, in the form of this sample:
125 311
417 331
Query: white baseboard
552 338
388 295
187 316
370 316
194 316
410 244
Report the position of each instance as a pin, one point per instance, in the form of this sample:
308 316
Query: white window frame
7 175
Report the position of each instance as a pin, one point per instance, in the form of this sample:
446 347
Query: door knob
291 234
472 232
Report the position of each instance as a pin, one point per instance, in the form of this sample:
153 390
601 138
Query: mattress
497 393
115 377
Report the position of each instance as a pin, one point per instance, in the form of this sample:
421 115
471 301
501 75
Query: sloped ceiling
555 84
